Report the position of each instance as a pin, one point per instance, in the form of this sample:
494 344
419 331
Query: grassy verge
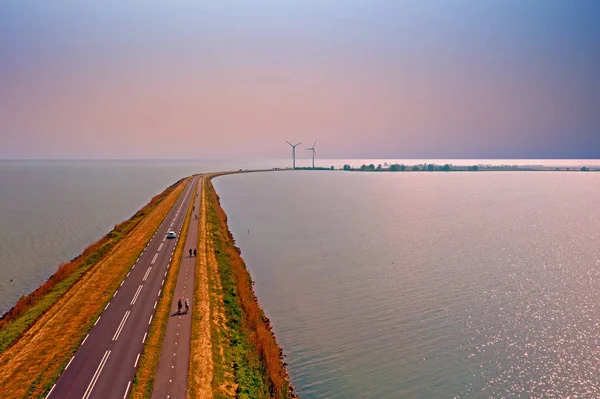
200 375
17 320
143 382
32 364
250 346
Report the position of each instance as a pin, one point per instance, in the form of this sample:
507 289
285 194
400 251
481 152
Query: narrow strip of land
201 364
172 376
106 362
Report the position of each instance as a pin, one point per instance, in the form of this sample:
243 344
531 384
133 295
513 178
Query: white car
171 234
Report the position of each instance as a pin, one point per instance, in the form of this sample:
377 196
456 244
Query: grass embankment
29 367
17 320
200 375
244 346
143 382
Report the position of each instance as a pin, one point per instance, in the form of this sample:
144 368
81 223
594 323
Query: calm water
427 285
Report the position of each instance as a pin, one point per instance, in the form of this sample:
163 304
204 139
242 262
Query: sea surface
426 285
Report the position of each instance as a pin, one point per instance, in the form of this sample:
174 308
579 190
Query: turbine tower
313 152
293 152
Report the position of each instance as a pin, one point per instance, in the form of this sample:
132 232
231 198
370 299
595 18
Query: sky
235 79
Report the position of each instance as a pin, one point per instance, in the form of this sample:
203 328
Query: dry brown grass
146 373
201 360
256 325
32 364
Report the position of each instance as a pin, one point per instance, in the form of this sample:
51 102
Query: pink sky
241 93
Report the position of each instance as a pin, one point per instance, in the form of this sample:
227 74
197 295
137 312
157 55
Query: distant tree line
401 168
425 167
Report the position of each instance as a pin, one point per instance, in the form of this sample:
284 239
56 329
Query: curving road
106 362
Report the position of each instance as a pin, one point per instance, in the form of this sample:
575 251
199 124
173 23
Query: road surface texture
106 362
173 367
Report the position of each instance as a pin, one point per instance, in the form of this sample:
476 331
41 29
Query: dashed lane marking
68 364
154 259
118 332
136 295
136 361
98 320
127 389
144 339
53 386
90 387
147 273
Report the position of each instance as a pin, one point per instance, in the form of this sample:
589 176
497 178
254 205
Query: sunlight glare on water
426 285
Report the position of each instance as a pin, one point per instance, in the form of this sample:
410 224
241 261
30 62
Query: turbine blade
289 143
299 143
315 144
314 152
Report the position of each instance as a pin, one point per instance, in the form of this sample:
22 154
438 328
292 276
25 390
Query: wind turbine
313 152
293 151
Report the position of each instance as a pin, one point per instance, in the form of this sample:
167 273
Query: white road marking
160 247
154 259
147 273
90 387
115 294
118 332
164 238
128 273
165 274
136 360
136 295
98 320
144 339
155 304
163 282
127 389
68 364
107 305
50 391
159 291
122 283
150 321
85 339
133 267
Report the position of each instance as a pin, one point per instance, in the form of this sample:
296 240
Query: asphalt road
173 368
106 362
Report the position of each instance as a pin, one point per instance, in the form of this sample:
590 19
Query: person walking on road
190 252
179 305
195 253
187 305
